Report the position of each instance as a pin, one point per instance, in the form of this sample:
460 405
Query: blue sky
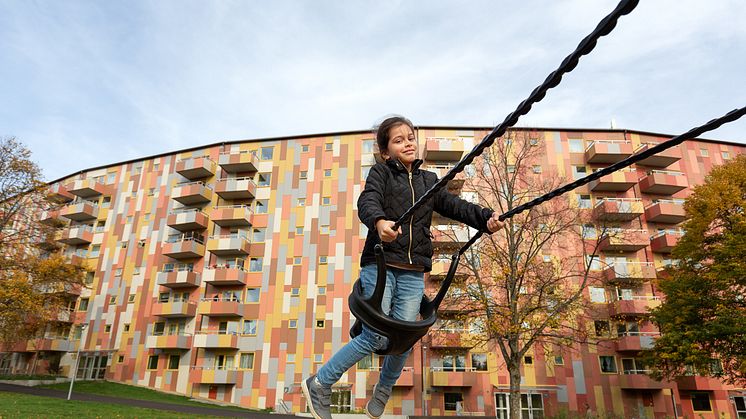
87 83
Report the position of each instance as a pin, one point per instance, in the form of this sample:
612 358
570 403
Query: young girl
390 189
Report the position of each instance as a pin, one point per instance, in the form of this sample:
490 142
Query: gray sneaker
377 403
318 398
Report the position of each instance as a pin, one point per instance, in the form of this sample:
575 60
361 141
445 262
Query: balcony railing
86 188
236 188
457 377
178 276
228 274
184 247
662 159
668 211
229 244
76 235
406 379
239 162
607 151
637 305
618 209
191 193
629 272
664 241
232 215
196 167
663 182
175 309
220 306
80 210
619 181
181 341
444 148
214 339
213 375
635 341
624 240
185 219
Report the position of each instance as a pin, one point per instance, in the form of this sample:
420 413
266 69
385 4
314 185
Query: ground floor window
532 406
340 401
453 402
701 402
93 367
740 402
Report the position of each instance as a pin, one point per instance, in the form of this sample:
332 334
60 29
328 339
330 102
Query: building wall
302 271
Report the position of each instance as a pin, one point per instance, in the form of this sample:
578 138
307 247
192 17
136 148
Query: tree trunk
514 369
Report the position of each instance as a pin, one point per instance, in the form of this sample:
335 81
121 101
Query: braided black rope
568 64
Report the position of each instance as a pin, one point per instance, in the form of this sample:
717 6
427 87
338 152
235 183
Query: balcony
174 309
204 375
662 159
636 306
51 218
454 185
77 259
225 275
449 236
80 211
182 342
232 215
698 382
607 151
178 278
236 188
187 219
192 193
58 193
75 235
450 378
215 340
61 288
443 148
663 182
618 209
196 168
406 379
228 244
218 306
664 241
636 341
639 380
64 316
630 272
86 188
184 247
624 240
619 181
239 162
54 344
666 211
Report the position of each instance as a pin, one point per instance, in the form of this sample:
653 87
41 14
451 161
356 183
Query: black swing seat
401 335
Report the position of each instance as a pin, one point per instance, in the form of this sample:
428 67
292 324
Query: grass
14 405
108 388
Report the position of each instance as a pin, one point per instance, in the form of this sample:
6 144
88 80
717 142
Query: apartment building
222 272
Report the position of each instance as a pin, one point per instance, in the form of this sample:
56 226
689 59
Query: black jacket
389 193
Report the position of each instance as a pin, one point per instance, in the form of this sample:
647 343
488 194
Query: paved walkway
193 410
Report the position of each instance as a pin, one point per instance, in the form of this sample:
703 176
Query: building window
602 328
701 402
304 148
704 152
95 249
301 202
303 174
369 146
455 362
318 358
725 154
479 362
111 177
608 364
260 206
323 260
327 200
299 230
598 295
118 272
453 402
83 305
579 172
107 328
266 153
576 146
340 401
126 327
120 359
328 146
258 234
327 172
105 202
324 229
366 363
295 292
584 201
320 324
252 295
131 298
297 260
536 168
293 323
249 327
558 360
528 360
291 359
263 179
589 232
246 361
511 168
112 299
255 265
322 290
532 406
153 362
173 362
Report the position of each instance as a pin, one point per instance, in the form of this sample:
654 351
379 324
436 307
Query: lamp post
424 381
77 362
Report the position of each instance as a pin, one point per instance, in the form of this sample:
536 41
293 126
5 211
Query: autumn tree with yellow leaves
33 278
523 289
703 316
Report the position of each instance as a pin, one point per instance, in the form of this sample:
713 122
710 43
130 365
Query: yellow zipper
411 219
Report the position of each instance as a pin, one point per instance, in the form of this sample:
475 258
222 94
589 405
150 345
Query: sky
90 83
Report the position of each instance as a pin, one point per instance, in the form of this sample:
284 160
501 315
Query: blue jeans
401 300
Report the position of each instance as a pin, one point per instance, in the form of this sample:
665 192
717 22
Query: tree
34 281
703 316
525 284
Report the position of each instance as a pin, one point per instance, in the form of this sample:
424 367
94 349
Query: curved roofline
368 131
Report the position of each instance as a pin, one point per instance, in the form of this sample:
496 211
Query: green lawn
15 405
108 388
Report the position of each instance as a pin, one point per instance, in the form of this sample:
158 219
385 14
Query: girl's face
402 145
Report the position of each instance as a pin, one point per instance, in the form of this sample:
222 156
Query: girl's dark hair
382 130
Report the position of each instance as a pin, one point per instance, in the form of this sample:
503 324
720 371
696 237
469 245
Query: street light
77 361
